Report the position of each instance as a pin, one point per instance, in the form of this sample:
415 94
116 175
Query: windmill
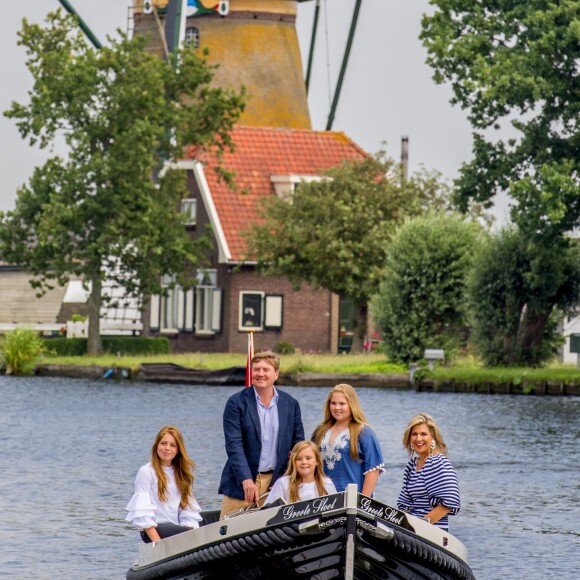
253 41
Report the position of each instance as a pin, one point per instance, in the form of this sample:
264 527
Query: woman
349 446
304 479
430 490
163 504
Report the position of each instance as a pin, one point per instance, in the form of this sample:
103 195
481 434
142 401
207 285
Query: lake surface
72 448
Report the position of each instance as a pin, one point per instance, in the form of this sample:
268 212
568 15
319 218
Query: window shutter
216 312
155 312
189 314
273 311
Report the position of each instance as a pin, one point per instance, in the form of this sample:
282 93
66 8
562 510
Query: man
261 425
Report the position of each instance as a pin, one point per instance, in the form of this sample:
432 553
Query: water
72 449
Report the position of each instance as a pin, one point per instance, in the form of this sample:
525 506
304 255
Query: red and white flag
250 357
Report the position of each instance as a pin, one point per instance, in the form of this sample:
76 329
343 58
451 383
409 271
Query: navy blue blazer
244 441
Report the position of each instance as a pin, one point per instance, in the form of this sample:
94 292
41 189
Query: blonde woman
430 489
349 446
304 479
163 504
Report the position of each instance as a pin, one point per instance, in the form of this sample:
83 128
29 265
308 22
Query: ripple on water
73 447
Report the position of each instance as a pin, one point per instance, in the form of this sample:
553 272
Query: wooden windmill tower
255 44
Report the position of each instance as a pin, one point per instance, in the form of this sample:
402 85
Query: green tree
515 62
517 293
334 233
422 301
99 214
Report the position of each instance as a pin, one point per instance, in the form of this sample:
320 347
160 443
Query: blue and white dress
434 484
339 465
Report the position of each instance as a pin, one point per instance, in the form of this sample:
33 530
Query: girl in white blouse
304 478
163 504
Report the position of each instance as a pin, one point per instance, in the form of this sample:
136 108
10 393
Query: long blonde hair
182 465
294 476
357 420
425 419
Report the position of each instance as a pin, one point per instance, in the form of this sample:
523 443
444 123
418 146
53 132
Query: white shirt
305 490
145 508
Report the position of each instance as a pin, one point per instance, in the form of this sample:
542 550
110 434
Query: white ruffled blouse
146 510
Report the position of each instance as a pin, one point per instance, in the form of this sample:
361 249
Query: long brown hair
425 419
182 465
292 472
357 419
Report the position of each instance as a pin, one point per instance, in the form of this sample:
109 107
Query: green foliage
476 374
20 350
515 62
285 347
99 214
421 302
291 363
516 291
123 345
334 233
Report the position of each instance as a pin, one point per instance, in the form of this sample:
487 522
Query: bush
422 300
285 347
125 345
20 349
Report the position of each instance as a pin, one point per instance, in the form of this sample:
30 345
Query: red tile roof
260 153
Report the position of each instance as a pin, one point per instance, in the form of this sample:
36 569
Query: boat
344 535
174 373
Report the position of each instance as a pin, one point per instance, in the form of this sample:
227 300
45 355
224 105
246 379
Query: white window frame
170 310
205 305
191 39
189 210
246 327
198 309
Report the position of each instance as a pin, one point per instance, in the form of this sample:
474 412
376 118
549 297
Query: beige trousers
232 504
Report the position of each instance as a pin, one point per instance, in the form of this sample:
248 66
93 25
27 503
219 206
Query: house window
199 308
191 37
259 311
189 210
168 305
207 303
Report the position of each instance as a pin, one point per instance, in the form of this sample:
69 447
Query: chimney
404 158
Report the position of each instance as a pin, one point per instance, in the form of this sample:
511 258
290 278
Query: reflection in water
73 447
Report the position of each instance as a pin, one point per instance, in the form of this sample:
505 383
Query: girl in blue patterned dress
349 446
430 490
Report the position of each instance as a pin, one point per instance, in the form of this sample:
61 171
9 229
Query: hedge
125 345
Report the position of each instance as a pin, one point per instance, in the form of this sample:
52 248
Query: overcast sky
387 93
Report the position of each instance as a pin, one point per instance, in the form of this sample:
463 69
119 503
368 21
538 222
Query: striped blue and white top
434 484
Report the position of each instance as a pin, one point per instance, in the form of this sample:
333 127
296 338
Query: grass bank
477 374
466 371
290 363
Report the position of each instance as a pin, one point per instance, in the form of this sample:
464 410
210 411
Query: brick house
231 297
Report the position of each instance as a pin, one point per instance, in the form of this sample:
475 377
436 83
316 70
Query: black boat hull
302 541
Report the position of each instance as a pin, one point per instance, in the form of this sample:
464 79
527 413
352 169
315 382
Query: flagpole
249 380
